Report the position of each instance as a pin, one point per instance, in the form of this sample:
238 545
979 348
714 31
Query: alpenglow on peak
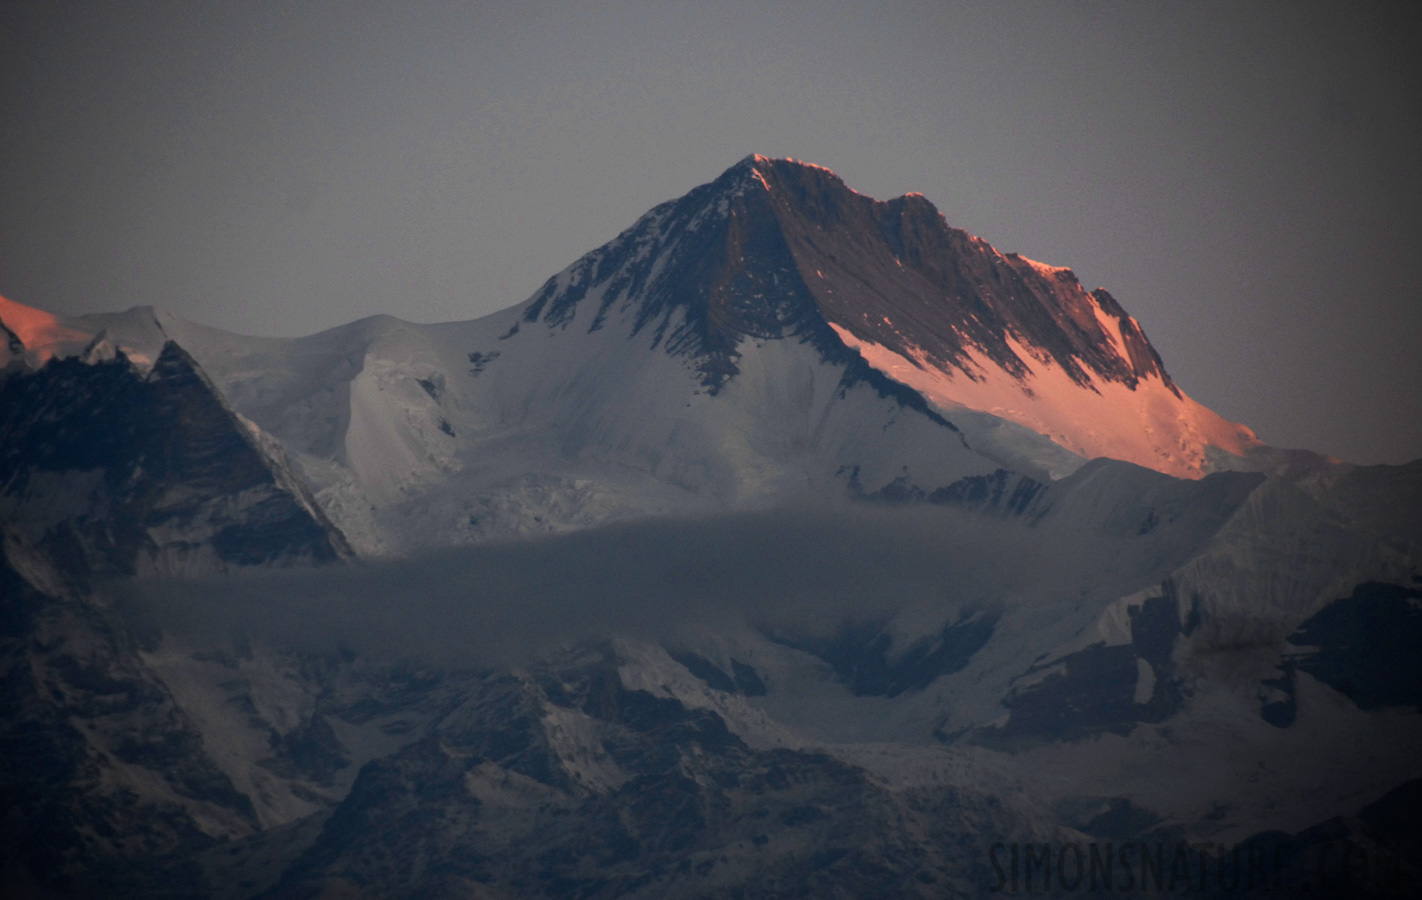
780 248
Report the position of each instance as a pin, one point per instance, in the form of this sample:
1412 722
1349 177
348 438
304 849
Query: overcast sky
1246 178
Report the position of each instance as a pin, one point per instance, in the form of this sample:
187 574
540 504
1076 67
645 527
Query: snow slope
1149 424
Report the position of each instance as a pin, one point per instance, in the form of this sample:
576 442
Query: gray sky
1245 178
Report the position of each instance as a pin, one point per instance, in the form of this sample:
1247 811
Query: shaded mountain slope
122 472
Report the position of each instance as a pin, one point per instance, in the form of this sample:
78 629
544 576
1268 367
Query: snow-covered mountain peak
771 334
768 165
777 248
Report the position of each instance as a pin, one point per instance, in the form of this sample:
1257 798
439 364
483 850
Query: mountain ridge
923 312
777 249
725 565
147 472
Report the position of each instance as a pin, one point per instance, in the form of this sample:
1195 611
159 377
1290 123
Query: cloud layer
807 569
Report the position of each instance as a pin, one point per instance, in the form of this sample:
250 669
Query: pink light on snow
1148 425
38 330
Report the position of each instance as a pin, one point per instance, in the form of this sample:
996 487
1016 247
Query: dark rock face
105 788
12 350
111 470
1096 689
1365 646
895 274
865 659
691 811
1003 492
742 679
776 249
699 274
1376 853
109 788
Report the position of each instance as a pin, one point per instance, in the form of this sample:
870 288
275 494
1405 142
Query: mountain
129 473
769 335
778 249
792 543
111 472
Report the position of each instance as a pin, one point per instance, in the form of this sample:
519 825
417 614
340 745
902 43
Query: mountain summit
777 248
